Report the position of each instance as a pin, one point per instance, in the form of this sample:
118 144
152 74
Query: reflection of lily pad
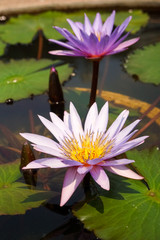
20 79
129 210
45 21
16 197
2 48
145 64
139 19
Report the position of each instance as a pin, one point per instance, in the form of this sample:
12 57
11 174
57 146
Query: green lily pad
139 19
145 64
26 24
16 197
20 79
45 21
2 48
129 210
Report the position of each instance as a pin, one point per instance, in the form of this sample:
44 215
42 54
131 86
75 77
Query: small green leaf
16 197
2 48
20 79
145 64
139 19
129 210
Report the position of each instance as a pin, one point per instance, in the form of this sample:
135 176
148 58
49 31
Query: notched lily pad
139 19
20 79
145 64
16 197
129 210
45 21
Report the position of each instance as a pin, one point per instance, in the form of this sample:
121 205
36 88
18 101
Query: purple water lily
94 41
91 149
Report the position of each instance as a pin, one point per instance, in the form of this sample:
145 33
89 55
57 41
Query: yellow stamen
88 148
98 36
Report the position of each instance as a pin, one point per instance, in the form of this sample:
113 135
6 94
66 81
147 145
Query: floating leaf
2 48
11 32
20 79
139 19
129 210
16 197
145 64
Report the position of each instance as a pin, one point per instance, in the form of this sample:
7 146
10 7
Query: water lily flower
92 149
94 41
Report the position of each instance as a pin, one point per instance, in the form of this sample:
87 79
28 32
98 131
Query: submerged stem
94 82
146 126
150 108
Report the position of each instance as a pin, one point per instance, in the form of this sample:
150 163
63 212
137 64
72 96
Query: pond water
49 221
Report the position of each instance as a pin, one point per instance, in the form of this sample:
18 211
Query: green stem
94 82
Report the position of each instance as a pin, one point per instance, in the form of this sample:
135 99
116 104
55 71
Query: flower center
87 149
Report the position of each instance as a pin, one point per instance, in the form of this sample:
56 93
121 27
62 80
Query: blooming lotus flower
94 41
92 149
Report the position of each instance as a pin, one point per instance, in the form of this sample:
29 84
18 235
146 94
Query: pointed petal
80 25
57 132
108 25
116 162
124 171
60 163
87 25
66 53
41 140
119 144
84 169
126 44
48 150
71 181
117 43
34 165
127 146
46 162
112 38
100 177
76 123
122 134
75 42
102 45
102 120
66 45
62 31
92 45
60 124
96 161
124 25
97 24
66 119
117 124
75 28
91 118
